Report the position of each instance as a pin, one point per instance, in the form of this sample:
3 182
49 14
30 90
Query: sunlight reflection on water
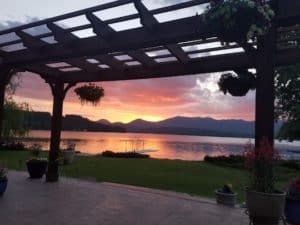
166 146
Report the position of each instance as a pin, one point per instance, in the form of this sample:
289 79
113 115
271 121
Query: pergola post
265 88
5 76
59 92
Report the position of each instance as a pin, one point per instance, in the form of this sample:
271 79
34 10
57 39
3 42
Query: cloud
152 99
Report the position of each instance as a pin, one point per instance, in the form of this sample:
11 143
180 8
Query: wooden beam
43 70
166 33
147 19
83 64
141 56
178 53
99 27
63 36
111 61
205 65
94 9
31 42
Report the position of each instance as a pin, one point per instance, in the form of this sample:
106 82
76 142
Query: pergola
147 48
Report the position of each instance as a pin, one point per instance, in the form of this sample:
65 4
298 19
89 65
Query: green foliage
239 21
14 119
287 107
90 93
237 85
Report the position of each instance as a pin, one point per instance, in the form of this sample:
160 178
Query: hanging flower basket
237 85
90 93
239 21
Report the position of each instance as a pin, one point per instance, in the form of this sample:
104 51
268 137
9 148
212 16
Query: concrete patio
77 202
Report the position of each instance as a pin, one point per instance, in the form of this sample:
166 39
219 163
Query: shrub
13 146
260 162
124 154
233 161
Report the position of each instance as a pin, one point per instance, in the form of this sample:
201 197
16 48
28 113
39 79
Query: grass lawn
195 178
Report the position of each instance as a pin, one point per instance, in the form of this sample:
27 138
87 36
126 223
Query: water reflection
166 146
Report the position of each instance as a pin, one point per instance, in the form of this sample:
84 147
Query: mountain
42 121
196 126
176 125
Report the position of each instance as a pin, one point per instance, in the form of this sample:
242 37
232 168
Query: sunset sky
154 99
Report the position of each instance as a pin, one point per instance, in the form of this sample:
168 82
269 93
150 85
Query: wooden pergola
149 49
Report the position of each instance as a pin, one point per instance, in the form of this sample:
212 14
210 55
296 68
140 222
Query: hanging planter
237 85
90 93
239 21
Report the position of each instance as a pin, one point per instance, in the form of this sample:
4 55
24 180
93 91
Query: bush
234 161
13 146
124 154
291 164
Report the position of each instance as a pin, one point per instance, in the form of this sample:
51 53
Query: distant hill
196 126
176 125
42 121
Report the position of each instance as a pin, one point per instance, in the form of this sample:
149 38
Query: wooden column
5 76
265 90
59 92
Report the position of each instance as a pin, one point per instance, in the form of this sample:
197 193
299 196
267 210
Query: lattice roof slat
186 45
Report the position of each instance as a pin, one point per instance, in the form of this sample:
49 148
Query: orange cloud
152 99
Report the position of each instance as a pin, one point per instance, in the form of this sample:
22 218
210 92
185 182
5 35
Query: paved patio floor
77 202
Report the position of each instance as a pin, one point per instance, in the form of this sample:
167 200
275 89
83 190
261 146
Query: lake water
159 145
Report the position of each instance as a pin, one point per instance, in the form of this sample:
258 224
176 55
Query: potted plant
265 204
239 21
226 196
237 85
3 179
69 153
90 93
292 205
36 166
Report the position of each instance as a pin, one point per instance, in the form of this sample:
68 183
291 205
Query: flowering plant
261 161
239 20
237 85
90 93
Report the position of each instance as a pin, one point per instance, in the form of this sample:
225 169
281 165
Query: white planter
68 156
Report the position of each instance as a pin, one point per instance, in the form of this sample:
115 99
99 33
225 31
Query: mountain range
192 126
177 125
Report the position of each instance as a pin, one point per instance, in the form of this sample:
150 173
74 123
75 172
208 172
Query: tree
14 119
287 104
14 113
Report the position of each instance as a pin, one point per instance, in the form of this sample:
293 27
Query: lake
161 146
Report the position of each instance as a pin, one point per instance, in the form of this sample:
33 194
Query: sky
151 99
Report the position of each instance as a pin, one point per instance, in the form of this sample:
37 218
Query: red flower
264 153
